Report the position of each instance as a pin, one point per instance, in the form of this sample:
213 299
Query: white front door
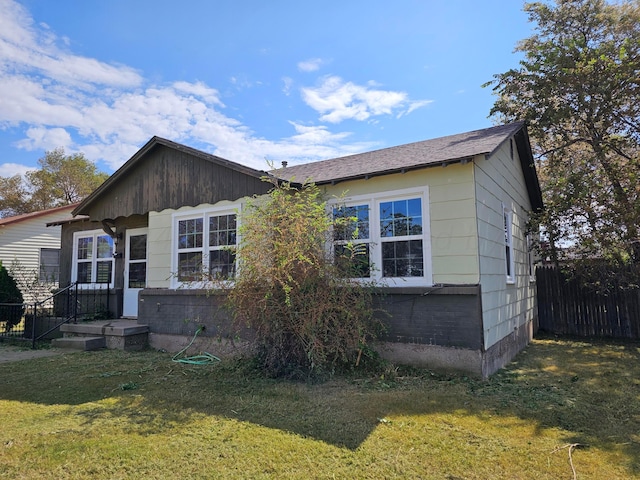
135 270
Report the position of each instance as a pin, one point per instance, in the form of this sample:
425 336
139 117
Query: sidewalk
11 353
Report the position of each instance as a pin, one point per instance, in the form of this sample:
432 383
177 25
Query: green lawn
109 414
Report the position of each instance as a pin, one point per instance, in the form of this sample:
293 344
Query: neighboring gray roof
450 149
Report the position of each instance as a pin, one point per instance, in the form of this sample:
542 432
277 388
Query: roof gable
164 174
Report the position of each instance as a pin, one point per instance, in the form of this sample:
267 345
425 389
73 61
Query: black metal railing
42 319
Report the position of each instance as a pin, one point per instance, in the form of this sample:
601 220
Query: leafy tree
13 196
10 295
578 87
307 315
61 180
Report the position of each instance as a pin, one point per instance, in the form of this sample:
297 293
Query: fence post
33 326
75 304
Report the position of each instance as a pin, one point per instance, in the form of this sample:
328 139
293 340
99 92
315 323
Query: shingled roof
438 151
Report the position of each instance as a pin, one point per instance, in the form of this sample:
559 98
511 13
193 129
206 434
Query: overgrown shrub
308 316
9 294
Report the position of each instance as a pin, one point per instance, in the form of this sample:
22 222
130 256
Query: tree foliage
307 315
10 295
61 180
578 86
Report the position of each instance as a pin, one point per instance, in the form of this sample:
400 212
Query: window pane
362 215
137 275
351 223
189 266
105 246
222 264
353 262
386 211
415 207
402 259
103 272
138 247
84 272
85 248
401 218
415 225
400 208
190 233
386 228
222 230
400 226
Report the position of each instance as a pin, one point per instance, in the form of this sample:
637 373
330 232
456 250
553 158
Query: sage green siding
506 307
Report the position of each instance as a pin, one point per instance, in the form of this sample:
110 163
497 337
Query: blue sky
251 81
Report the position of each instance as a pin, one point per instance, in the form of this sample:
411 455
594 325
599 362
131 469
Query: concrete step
119 328
118 334
80 343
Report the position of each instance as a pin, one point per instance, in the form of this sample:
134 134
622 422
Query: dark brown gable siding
169 178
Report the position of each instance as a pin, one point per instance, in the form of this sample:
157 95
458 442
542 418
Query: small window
508 243
49 265
93 258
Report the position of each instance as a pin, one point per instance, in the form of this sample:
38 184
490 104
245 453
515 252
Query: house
31 251
444 222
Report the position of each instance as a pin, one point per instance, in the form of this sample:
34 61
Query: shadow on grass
590 389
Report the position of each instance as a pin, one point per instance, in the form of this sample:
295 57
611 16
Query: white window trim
373 200
507 231
74 261
204 214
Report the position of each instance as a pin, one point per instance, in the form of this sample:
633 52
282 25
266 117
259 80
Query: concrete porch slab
119 328
80 343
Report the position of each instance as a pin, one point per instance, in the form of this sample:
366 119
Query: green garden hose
202 359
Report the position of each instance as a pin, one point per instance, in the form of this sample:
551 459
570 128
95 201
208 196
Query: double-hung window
49 265
205 246
401 237
93 258
386 238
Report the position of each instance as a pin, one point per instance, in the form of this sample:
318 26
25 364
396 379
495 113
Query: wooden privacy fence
566 307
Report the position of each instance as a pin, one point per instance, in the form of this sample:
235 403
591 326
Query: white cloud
287 85
24 47
107 111
416 105
46 139
310 65
337 100
11 169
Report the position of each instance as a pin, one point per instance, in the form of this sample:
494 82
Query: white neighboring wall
21 240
